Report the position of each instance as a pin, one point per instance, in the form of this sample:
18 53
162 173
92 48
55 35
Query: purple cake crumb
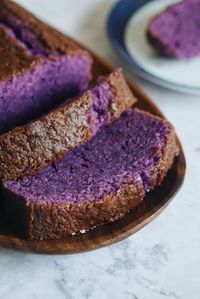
176 31
33 93
125 151
101 100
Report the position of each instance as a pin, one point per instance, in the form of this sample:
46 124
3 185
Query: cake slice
27 149
39 67
97 182
175 32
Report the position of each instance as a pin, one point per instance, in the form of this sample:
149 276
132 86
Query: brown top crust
13 57
122 98
49 37
53 221
27 149
58 221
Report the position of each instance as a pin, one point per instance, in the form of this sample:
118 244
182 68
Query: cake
175 32
72 156
28 148
95 183
39 67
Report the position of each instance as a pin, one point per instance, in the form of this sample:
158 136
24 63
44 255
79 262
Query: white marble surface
160 261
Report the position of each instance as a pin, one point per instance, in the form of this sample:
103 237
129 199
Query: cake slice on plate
175 32
95 183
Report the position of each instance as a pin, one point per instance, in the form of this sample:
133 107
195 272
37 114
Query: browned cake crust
13 58
49 36
55 221
168 154
27 149
51 221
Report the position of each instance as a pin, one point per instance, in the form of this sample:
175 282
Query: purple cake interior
101 100
176 31
124 152
47 79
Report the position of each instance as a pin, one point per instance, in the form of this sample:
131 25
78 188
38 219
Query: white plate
183 73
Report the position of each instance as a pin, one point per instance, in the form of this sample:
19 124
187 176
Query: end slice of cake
39 67
27 149
95 183
175 32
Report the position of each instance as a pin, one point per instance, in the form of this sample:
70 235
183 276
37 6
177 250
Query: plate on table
126 27
154 203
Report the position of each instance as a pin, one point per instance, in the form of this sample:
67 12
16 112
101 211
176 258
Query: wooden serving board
154 203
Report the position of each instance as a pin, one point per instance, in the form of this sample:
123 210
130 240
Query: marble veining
159 262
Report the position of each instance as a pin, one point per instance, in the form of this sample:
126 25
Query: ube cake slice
95 183
27 149
176 31
39 67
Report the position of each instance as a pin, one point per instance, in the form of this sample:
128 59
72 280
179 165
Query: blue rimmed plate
126 28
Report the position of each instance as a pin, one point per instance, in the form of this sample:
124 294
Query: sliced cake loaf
97 182
39 67
176 31
27 149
